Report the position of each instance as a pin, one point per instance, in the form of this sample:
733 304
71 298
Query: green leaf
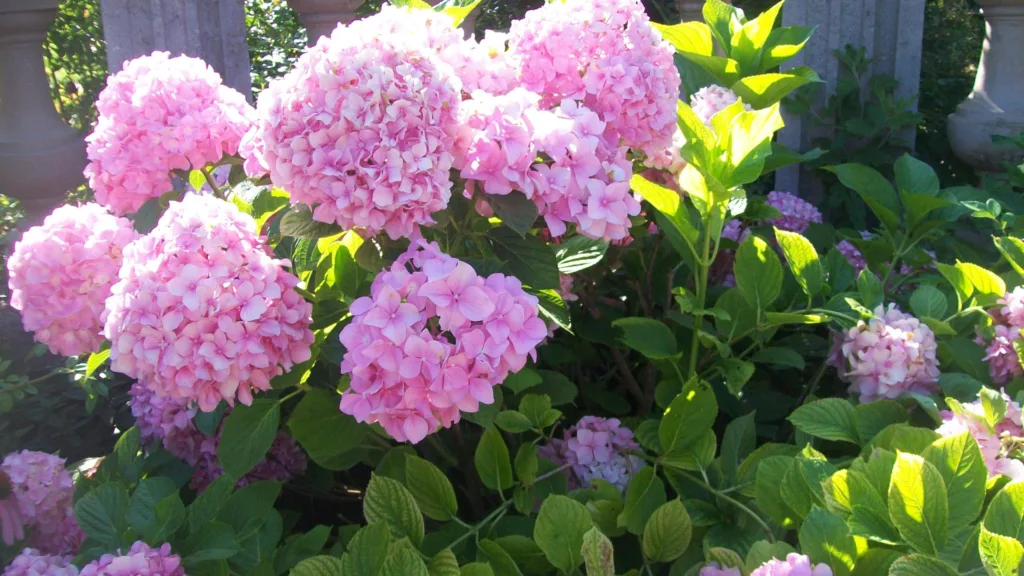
737 373
870 288
918 505
156 510
959 386
696 456
444 563
874 189
722 18
768 486
670 204
561 526
779 357
928 300
499 559
102 514
459 10
529 259
915 176
826 538
96 359
985 282
525 379
920 206
830 418
667 533
758 272
579 253
512 421
1001 555
247 435
526 553
1012 250
1002 532
646 492
476 569
692 413
692 37
367 550
298 223
319 566
598 553
748 144
209 502
213 541
739 441
431 489
515 211
919 565
388 501
782 44
649 337
247 509
527 463
553 308
484 417
993 406
318 411
404 562
764 90
959 461
535 408
874 417
259 547
875 562
748 39
492 461
957 278
764 551
802 260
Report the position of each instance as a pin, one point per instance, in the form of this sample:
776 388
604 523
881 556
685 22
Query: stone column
213 30
321 17
690 10
41 157
890 30
996 105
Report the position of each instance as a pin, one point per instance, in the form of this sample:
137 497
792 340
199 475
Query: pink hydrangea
668 158
432 340
797 214
60 274
711 100
891 354
972 420
585 181
1003 363
361 130
156 115
141 560
43 489
852 254
794 565
1012 307
565 287
169 422
12 525
716 569
605 54
596 448
202 311
32 562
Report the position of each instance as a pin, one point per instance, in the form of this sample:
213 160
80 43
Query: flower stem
703 267
213 183
719 494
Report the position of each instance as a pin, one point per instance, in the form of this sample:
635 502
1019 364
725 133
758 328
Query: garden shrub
510 306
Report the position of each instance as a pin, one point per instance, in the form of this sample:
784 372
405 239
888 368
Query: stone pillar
213 30
996 105
890 30
321 17
41 157
690 10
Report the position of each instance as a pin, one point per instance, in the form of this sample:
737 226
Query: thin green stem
720 494
703 265
835 314
895 261
547 475
495 514
213 183
291 395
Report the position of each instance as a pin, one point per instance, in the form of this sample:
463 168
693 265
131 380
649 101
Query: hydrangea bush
509 306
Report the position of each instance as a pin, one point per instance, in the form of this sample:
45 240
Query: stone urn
321 17
41 157
996 105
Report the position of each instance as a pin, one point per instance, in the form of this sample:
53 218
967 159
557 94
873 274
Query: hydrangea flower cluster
169 421
156 115
596 448
1003 363
891 354
42 489
711 100
852 254
606 55
201 311
432 340
60 274
586 182
972 419
794 565
141 560
797 214
32 562
361 130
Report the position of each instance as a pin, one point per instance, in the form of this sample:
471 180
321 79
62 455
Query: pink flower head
42 489
605 54
432 340
891 354
565 288
794 565
12 525
711 100
852 254
32 562
141 560
1003 363
668 158
156 115
1012 307
202 312
597 448
361 130
61 272
716 569
990 440
797 214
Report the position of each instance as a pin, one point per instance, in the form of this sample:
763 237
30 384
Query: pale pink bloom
156 115
565 286
1003 363
794 565
32 562
61 272
667 158
891 354
597 448
989 440
451 336
1012 306
202 311
42 489
12 528
797 214
711 100
141 560
715 569
852 254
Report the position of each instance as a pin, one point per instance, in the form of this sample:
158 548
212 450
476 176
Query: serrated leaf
431 489
758 273
102 514
691 413
388 501
579 253
247 435
830 418
529 259
492 461
959 461
367 550
598 553
316 412
515 211
561 526
918 504
667 533
826 538
649 337
298 223
646 492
